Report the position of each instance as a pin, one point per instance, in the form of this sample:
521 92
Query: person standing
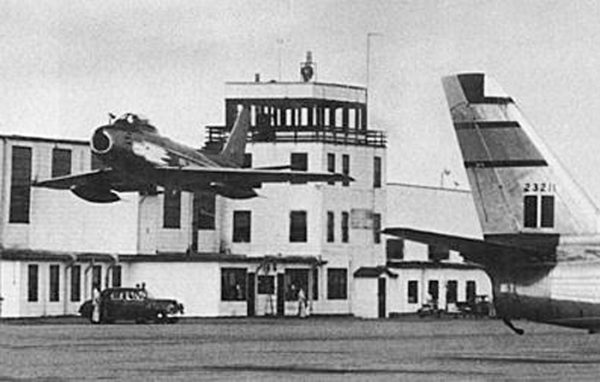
301 303
96 305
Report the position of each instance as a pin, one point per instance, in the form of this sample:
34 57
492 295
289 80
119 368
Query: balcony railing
216 135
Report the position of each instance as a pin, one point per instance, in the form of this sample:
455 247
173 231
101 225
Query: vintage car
132 304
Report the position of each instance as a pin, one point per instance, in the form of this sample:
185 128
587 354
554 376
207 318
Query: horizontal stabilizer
482 252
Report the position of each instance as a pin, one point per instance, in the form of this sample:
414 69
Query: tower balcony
217 135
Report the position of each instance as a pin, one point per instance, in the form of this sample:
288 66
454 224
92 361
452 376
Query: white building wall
59 220
365 304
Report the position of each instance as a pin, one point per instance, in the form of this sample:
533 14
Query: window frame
75 283
172 209
377 167
412 291
242 226
330 227
20 184
337 283
33 280
62 162
233 278
298 226
54 283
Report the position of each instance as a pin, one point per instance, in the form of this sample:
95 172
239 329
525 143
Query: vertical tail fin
518 185
234 149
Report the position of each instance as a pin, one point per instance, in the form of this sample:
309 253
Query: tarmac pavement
70 349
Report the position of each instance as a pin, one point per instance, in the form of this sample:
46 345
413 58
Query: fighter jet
139 159
540 244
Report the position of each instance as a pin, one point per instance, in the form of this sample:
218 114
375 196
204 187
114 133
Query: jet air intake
101 141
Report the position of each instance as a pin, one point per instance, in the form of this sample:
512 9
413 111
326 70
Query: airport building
225 257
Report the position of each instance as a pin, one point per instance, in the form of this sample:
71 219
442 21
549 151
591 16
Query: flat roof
295 90
16 137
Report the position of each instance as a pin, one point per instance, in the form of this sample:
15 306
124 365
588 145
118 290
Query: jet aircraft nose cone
101 141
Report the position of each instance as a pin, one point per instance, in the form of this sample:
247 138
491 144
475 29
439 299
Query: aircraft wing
243 176
106 177
479 251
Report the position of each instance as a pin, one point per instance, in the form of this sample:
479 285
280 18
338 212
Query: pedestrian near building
96 305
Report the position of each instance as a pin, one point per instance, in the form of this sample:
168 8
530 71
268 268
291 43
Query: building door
280 295
381 298
251 293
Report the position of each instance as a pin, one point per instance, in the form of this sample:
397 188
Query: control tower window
299 161
331 165
377 172
346 169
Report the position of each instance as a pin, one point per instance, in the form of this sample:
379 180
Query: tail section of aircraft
518 186
234 149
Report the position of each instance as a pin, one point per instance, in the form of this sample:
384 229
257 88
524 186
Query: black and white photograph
299 190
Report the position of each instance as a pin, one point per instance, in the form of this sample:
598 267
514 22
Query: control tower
308 126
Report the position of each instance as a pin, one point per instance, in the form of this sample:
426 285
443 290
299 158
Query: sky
66 64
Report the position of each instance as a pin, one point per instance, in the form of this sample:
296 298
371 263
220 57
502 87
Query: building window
172 209
266 284
331 165
376 228
205 207
547 211
433 289
20 185
330 227
32 282
242 222
233 284
97 277
54 283
76 283
116 276
346 169
298 227
530 206
247 160
413 292
299 161
345 227
451 289
471 291
295 279
337 284
437 253
377 172
394 249
61 162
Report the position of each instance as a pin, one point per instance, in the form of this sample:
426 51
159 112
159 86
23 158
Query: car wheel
161 318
